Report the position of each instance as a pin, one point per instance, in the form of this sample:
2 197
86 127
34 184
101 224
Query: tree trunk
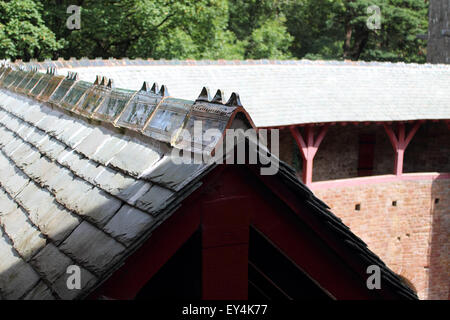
348 40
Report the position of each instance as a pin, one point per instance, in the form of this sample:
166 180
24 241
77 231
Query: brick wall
411 236
337 157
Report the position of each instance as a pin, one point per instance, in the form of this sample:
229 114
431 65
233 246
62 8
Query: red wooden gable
232 201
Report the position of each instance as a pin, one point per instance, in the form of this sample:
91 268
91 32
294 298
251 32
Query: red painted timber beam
225 237
400 143
308 149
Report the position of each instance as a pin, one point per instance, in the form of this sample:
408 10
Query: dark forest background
214 29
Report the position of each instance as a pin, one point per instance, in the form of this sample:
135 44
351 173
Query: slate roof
86 177
77 192
280 93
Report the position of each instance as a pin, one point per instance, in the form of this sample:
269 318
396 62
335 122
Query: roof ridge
147 111
99 62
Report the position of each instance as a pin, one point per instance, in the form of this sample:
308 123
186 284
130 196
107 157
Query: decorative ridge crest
107 106
233 101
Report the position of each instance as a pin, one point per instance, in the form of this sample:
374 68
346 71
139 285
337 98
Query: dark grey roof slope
74 192
279 93
75 189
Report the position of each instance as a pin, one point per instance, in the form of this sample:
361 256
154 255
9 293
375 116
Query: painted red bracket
400 143
308 149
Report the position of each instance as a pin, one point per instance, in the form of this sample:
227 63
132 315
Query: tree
23 32
271 40
402 21
260 26
148 28
316 28
215 29
338 29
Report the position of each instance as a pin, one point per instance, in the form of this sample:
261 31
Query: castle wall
406 223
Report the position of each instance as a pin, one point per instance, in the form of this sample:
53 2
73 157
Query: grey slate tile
134 192
63 124
25 155
107 150
26 238
42 170
37 138
92 248
13 180
98 207
52 148
62 177
170 173
86 169
62 290
34 114
7 204
51 263
87 201
135 158
16 276
67 157
12 146
93 142
155 199
25 131
40 292
52 219
75 136
118 184
48 122
128 224
5 136
11 122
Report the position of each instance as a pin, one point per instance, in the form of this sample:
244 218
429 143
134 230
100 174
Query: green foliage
397 39
271 40
317 30
214 29
23 32
336 29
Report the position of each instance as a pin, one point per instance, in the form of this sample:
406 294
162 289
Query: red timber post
400 143
308 149
225 239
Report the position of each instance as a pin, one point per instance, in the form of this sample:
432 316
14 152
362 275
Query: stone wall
406 223
429 150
